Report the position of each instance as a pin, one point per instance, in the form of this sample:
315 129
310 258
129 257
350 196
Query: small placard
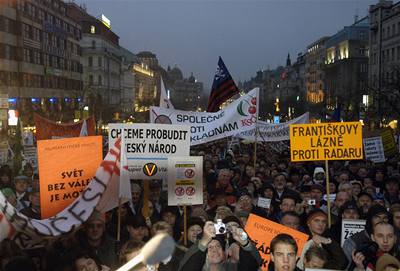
264 202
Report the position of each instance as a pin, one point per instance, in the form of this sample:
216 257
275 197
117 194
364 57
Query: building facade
346 70
147 85
40 58
102 64
185 93
315 78
384 62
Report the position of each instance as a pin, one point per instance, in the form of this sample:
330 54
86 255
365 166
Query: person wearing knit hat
387 263
392 190
137 228
349 210
317 191
317 222
93 237
319 175
194 230
364 201
96 216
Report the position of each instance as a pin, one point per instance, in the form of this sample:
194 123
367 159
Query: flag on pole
165 102
336 116
222 89
84 131
124 180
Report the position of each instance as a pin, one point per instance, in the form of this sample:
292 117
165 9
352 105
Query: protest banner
30 156
262 231
66 167
148 147
263 202
27 138
47 129
389 144
373 149
331 197
241 115
351 227
326 141
273 132
29 233
185 180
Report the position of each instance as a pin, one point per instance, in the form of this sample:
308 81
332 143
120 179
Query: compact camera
311 202
220 227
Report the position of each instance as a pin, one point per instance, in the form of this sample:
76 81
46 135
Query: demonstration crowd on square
363 191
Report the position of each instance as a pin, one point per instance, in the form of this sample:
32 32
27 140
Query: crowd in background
232 183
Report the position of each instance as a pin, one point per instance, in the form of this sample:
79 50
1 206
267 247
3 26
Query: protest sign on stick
66 167
326 141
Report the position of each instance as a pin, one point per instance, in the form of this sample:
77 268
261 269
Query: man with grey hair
135 203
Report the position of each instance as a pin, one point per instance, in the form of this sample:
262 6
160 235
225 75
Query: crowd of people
232 183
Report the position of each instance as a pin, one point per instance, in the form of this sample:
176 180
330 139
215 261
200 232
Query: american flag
222 89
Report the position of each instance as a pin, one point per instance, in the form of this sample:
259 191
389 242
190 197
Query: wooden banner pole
146 191
328 193
184 225
119 220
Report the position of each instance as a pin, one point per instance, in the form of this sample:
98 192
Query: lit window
92 29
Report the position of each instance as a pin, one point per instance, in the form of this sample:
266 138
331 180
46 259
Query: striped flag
222 89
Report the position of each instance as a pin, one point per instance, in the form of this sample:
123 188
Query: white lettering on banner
32 232
239 116
147 143
270 132
351 227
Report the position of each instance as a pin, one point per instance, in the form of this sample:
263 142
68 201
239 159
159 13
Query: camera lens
221 230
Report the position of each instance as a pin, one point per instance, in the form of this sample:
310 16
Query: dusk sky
249 34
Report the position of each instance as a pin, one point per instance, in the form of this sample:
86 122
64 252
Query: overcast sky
249 34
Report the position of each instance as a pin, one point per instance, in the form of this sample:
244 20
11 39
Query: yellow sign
326 141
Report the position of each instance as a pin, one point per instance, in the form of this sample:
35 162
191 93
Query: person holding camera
209 254
362 239
317 223
384 237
